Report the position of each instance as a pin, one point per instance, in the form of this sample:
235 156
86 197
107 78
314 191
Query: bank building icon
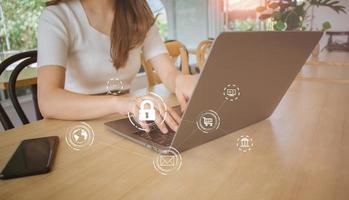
244 143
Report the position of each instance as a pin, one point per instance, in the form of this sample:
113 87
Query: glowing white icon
80 136
244 143
231 92
149 110
208 121
147 114
115 86
168 161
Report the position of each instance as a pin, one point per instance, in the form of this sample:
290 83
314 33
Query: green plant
19 23
162 24
244 25
292 14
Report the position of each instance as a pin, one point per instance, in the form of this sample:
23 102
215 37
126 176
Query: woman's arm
166 70
58 103
179 83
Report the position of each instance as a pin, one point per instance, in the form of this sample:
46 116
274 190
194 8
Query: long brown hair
132 21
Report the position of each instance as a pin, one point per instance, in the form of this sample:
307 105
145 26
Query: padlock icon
147 114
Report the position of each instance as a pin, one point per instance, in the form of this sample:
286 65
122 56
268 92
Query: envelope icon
167 161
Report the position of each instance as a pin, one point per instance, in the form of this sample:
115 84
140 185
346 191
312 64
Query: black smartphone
32 157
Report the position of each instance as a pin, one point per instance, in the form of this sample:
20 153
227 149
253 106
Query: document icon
167 161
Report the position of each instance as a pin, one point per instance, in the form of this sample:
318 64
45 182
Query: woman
83 44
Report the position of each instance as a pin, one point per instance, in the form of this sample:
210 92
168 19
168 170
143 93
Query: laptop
244 79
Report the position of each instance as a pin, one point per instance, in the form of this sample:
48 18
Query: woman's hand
175 81
185 85
163 119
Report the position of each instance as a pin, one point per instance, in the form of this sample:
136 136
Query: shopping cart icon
208 121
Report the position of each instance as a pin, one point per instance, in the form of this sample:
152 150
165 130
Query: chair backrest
202 51
176 50
25 59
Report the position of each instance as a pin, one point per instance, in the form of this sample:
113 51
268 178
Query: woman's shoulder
61 11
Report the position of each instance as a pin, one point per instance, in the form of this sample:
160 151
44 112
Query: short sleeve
153 44
53 40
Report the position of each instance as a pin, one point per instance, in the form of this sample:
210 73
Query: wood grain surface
300 153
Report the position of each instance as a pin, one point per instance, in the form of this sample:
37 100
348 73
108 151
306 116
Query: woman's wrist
177 80
122 104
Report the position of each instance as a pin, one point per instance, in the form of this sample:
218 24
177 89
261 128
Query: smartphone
32 157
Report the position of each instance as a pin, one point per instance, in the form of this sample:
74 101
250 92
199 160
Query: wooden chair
26 59
202 51
176 51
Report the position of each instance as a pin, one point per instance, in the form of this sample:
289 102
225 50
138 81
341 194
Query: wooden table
26 78
300 152
335 58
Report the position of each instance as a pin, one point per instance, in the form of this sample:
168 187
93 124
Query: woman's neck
100 14
99 6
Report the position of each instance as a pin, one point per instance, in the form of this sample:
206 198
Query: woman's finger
167 116
166 108
144 125
170 121
182 101
174 115
160 122
163 116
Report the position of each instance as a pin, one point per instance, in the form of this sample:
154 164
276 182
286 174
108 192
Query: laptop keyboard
157 137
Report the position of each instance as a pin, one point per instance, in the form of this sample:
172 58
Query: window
240 15
18 25
162 21
186 20
242 4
